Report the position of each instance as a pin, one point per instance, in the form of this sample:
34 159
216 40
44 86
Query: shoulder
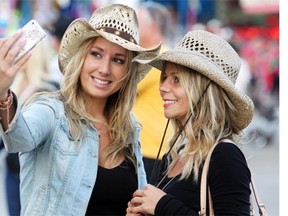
227 165
49 100
134 121
227 153
226 148
49 85
133 118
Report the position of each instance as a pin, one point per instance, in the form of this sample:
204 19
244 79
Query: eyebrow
120 54
173 73
102 50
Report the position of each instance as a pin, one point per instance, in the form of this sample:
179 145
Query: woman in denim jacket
79 147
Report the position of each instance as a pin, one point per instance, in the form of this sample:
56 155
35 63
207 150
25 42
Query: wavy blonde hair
118 106
211 119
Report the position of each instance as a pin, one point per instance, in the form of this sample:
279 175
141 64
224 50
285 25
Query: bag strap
204 187
260 204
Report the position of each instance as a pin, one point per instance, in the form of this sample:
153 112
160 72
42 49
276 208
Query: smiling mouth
169 102
101 82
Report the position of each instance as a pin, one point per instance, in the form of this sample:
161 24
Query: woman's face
173 94
104 67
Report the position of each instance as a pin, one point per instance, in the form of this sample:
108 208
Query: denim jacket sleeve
142 179
30 127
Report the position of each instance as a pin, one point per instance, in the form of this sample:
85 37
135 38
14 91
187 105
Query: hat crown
213 48
119 17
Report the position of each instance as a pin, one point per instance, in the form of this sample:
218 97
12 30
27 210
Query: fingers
132 211
129 210
139 192
2 40
9 48
136 200
7 43
19 64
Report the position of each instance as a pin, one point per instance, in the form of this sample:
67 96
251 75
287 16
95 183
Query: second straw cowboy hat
214 58
115 22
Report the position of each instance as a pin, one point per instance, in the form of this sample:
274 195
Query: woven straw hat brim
244 105
80 30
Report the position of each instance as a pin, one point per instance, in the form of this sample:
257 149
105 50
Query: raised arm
9 47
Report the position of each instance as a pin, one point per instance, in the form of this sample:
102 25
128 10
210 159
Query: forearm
169 205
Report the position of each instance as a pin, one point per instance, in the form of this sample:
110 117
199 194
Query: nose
104 67
164 86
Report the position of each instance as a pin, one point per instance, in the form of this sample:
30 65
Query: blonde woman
197 86
81 153
34 77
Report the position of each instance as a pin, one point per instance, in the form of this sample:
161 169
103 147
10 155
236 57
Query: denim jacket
57 173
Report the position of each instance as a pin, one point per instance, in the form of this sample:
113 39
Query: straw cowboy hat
214 58
115 22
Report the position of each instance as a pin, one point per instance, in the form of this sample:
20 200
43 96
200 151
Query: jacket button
43 187
93 154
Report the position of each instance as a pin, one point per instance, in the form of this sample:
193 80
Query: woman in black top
197 86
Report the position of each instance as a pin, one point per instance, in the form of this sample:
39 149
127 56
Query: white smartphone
33 33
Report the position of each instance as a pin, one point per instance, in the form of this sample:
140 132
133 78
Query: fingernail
30 53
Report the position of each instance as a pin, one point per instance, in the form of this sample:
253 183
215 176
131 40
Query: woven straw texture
115 22
213 57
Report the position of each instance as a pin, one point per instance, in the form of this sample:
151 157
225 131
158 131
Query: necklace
166 175
166 183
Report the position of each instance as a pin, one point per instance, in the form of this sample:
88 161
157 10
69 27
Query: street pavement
264 166
263 162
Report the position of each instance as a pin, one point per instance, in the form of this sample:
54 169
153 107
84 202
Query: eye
119 61
95 54
163 77
176 79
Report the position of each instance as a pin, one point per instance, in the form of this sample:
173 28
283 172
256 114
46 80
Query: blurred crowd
258 46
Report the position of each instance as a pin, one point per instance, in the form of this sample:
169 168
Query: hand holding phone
33 33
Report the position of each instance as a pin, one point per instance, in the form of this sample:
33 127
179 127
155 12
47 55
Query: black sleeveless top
112 190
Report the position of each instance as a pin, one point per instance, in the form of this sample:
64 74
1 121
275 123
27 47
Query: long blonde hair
211 120
118 106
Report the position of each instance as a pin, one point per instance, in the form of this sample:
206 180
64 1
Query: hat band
121 34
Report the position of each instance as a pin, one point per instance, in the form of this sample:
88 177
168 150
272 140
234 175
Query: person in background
57 31
245 75
79 147
199 96
36 76
153 17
